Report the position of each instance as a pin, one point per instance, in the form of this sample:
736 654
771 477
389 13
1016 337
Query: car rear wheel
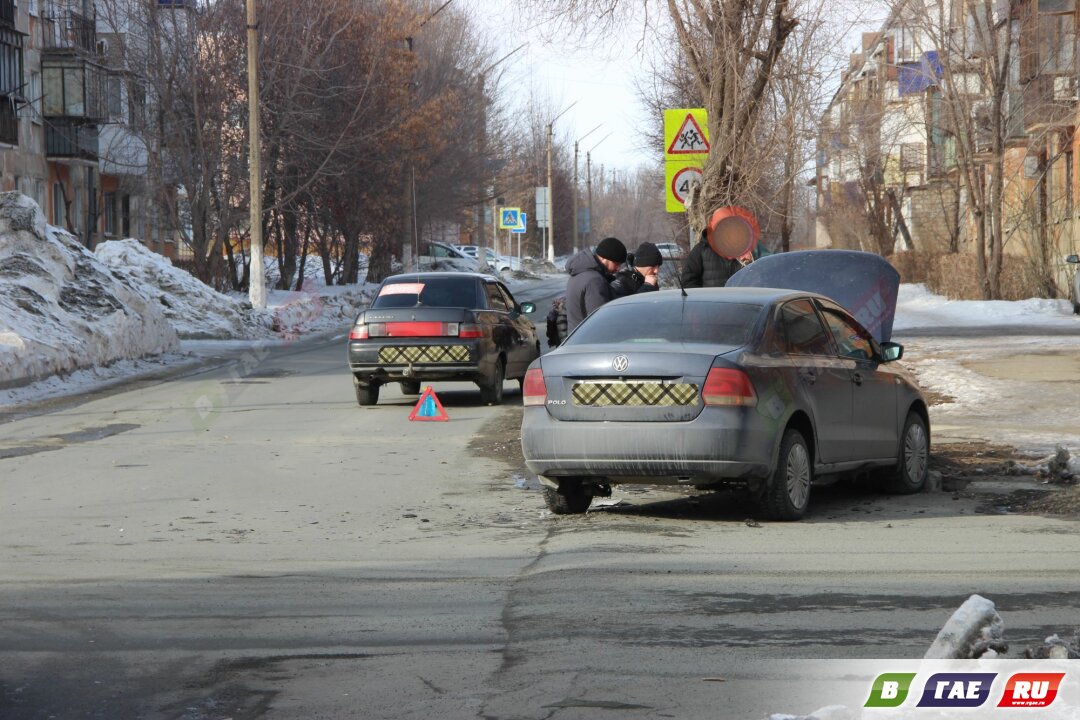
913 465
569 499
491 393
410 387
366 394
788 494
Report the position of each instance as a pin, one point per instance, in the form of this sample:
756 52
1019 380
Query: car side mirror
891 351
1074 259
528 308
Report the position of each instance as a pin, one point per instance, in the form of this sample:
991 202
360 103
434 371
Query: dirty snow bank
917 307
198 312
60 307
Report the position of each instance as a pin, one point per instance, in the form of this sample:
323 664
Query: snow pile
917 307
196 310
60 307
975 630
830 712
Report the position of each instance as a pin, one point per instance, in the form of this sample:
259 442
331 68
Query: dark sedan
759 388
441 326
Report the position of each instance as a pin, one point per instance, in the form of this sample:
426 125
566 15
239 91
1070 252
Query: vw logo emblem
620 363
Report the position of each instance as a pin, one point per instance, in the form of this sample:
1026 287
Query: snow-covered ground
918 308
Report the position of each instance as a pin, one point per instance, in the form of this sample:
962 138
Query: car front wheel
913 465
570 499
788 494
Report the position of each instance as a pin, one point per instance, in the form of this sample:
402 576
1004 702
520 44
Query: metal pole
588 175
575 240
550 209
257 283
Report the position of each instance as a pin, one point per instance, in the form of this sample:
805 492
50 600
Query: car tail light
534 389
470 331
728 386
363 331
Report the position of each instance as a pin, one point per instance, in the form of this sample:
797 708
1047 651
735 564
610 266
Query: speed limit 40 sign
680 178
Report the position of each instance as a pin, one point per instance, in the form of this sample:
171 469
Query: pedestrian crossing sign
509 218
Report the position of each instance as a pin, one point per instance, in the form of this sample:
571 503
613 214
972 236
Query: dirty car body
424 327
764 388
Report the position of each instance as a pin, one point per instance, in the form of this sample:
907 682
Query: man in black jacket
590 276
642 276
704 268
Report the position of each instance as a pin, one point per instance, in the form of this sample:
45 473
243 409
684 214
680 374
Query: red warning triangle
689 140
428 408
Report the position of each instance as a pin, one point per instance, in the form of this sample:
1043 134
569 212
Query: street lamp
588 174
550 195
575 240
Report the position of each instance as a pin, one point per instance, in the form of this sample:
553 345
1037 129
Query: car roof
743 295
405 277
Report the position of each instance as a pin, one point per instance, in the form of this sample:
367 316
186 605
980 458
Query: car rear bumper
721 443
439 360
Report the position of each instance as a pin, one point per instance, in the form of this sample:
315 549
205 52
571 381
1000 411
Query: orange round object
732 232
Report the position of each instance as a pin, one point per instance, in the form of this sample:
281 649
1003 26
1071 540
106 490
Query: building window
912 156
110 214
125 216
58 204
115 99
76 211
1057 42
11 73
35 96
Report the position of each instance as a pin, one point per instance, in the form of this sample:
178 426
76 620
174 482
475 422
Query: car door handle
856 377
808 376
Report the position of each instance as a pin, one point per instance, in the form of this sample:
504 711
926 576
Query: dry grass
955 275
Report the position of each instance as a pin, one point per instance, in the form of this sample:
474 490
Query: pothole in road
59 442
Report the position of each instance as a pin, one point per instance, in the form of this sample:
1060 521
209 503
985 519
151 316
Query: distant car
669 250
760 388
502 263
440 256
441 326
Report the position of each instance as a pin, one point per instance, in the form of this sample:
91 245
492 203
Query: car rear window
713 323
429 292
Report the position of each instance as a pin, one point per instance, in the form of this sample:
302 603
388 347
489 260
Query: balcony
71 139
68 26
1049 101
74 88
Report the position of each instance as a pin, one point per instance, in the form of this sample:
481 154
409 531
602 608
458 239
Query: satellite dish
732 232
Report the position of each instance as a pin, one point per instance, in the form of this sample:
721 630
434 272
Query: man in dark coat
704 268
642 276
590 277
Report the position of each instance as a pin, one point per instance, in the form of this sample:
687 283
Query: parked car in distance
759 388
441 326
440 256
669 250
502 263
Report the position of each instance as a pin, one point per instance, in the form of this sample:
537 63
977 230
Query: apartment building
70 115
914 120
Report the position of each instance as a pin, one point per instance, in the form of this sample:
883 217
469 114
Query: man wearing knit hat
590 277
642 276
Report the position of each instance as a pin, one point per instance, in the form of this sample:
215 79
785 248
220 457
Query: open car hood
863 283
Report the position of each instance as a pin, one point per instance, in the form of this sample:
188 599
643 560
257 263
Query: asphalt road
248 543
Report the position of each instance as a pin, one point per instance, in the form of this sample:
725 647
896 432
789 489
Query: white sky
600 79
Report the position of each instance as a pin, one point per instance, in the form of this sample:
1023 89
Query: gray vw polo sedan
759 388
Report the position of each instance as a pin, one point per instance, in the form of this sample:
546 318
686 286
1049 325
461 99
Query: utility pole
257 281
588 180
575 240
550 194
